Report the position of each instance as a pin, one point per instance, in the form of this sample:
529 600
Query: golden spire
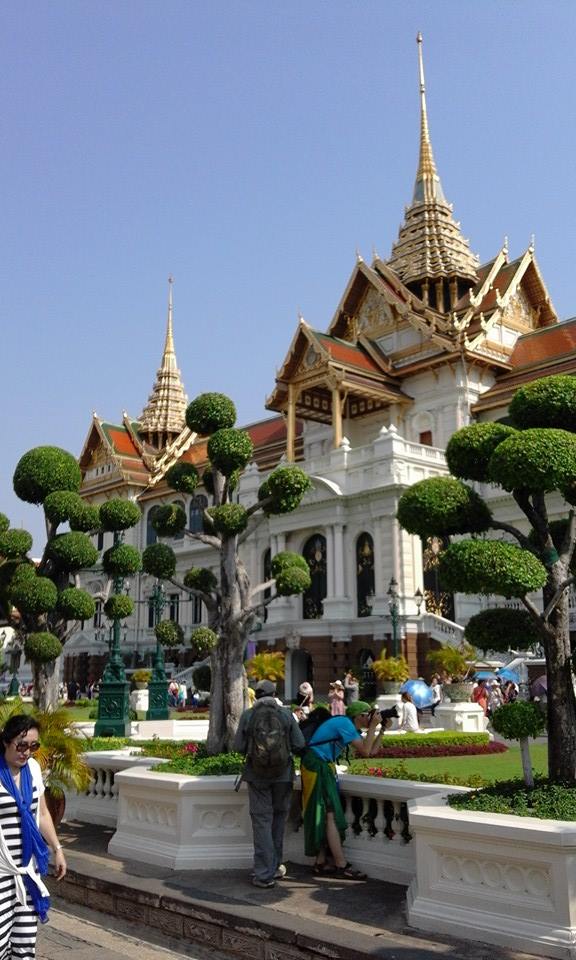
427 186
164 415
430 245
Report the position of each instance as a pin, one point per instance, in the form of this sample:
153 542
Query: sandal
347 872
324 869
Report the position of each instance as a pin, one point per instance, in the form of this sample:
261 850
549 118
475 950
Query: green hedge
440 737
220 765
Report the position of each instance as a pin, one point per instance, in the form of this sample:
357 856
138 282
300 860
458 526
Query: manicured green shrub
85 518
15 544
441 506
490 566
210 412
203 640
517 720
223 764
18 572
200 578
42 647
538 460
119 514
42 471
399 771
169 520
440 738
546 801
4 523
59 505
230 519
230 450
502 629
169 633
547 402
286 486
118 606
34 596
469 450
208 481
72 551
285 560
75 604
182 477
292 581
159 560
121 560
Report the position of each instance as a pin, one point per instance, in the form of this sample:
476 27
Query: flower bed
546 801
405 750
196 764
170 749
400 772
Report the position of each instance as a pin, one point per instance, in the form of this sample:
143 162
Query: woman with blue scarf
26 834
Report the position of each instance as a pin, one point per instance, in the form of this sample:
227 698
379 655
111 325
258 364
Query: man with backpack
268 735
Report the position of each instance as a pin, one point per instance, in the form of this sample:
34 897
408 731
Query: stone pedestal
462 717
385 702
139 700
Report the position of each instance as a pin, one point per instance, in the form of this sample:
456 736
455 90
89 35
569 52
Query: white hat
337 683
305 688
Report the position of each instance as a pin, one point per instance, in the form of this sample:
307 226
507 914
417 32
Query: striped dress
17 923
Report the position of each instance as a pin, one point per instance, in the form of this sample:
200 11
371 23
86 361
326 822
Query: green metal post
113 703
393 604
158 686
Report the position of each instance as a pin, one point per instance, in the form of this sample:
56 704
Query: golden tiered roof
430 245
163 416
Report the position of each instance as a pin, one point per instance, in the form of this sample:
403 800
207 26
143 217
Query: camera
388 714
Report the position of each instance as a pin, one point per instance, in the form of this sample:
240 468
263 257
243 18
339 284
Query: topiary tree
532 458
519 721
41 600
231 603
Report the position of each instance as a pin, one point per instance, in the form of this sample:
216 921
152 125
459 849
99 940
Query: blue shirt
340 731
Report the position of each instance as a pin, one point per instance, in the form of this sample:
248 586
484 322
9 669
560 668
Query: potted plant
61 759
266 666
141 678
392 671
455 663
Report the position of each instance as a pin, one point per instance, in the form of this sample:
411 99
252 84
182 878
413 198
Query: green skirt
319 796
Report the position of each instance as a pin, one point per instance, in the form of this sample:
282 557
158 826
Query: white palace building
420 344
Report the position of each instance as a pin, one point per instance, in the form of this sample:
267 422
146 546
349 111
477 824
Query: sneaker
280 872
264 884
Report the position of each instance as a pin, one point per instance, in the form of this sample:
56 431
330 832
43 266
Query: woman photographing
26 834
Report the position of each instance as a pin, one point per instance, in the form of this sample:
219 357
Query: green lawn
82 714
498 766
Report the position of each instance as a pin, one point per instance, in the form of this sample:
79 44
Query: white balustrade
99 803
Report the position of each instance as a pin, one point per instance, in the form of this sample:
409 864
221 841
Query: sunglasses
23 747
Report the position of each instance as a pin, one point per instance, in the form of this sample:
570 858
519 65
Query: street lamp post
113 703
393 606
158 685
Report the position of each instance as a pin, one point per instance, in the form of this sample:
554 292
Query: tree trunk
561 701
227 688
526 762
226 694
46 682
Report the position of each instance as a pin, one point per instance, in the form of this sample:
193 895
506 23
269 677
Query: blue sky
248 148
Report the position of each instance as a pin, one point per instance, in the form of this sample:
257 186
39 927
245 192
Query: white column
338 539
330 561
378 571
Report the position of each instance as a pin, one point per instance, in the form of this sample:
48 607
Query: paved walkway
302 918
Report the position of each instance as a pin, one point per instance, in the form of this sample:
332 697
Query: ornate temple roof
163 416
430 244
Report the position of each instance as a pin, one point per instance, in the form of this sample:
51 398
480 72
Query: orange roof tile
553 341
348 354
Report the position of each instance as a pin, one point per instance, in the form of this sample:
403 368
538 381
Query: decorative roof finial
359 257
505 245
427 186
532 246
163 416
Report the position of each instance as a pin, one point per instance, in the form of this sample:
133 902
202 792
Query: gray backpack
268 743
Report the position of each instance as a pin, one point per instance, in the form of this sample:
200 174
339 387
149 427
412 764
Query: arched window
364 573
198 505
179 503
314 553
151 535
